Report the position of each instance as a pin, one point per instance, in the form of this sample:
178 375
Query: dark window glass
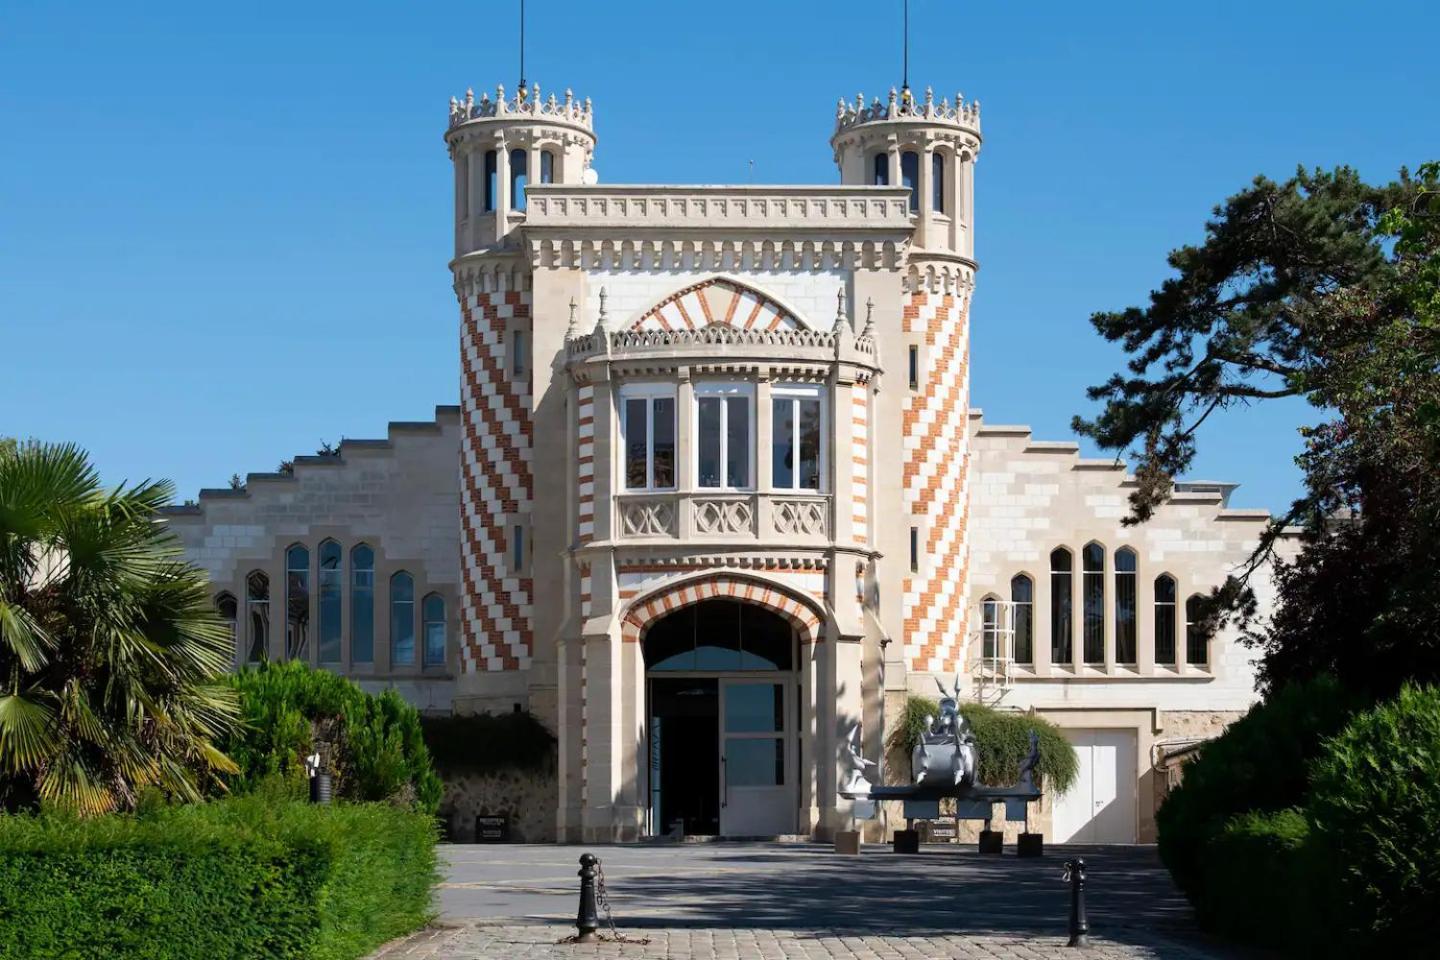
492 174
989 630
434 613
257 615
1022 594
1061 638
937 183
664 454
1125 605
720 635
881 170
518 179
1196 643
517 548
362 604
547 166
910 177
1164 619
517 353
1094 586
914 549
914 367
297 602
810 444
737 447
402 619
782 444
331 587
228 611
795 444
637 442
708 474
754 762
754 707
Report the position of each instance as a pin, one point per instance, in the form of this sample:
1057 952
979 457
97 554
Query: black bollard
320 788
587 921
1079 922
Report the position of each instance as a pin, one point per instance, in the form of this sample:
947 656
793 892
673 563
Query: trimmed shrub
372 745
242 878
485 742
1003 740
1375 803
1261 763
1256 881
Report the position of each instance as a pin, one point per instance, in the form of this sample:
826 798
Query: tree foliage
1322 287
111 654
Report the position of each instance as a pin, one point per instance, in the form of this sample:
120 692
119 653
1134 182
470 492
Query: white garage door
1099 807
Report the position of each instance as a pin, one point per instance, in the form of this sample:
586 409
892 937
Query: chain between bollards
1079 922
587 920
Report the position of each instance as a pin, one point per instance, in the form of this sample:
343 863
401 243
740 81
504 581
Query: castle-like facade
715 494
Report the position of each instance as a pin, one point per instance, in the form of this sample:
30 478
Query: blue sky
224 227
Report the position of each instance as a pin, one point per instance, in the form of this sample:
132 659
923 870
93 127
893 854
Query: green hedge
1003 741
1255 877
245 878
486 742
372 744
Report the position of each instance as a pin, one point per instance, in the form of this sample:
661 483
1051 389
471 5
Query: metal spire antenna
905 69
522 48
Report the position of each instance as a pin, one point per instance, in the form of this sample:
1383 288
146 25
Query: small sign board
492 829
943 830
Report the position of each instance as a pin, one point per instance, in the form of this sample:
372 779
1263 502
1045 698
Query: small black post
587 921
320 788
1079 922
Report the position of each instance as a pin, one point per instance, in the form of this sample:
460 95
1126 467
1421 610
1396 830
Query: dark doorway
685 754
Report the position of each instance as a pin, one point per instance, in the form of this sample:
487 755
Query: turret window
492 176
647 430
518 179
910 177
880 176
723 432
937 182
547 166
796 438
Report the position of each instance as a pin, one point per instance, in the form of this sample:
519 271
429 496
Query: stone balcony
789 518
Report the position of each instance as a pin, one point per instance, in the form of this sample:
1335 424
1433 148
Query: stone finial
869 330
600 320
840 108
892 108
573 329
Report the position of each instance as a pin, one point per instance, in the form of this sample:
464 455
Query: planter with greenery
1003 740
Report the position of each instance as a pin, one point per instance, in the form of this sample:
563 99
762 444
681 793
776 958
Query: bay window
647 424
723 431
795 431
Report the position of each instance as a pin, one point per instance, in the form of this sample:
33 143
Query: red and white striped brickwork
936 604
495 474
860 459
717 301
585 461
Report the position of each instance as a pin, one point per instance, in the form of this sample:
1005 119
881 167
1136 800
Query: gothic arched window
1165 619
332 585
297 602
910 177
1196 643
1093 558
547 166
362 604
433 610
1061 637
881 168
257 616
402 619
1022 595
1126 581
937 182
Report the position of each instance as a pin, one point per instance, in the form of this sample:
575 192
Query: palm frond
27 732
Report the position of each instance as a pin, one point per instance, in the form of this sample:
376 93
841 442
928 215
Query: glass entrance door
757 789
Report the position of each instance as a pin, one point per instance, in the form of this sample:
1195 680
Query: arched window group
407 617
1109 625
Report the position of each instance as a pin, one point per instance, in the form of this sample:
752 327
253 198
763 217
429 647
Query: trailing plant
1002 738
372 744
111 654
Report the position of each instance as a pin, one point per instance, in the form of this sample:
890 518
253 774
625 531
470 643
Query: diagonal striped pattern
936 482
495 478
717 301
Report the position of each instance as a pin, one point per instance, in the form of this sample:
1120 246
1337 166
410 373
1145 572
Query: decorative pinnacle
840 309
600 320
573 330
869 330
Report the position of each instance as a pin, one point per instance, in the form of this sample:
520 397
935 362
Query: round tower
930 148
927 146
498 146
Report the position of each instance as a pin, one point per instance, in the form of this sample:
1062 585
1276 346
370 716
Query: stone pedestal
1030 845
847 842
907 841
992 841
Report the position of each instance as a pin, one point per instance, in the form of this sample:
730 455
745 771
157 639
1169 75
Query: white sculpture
856 783
946 751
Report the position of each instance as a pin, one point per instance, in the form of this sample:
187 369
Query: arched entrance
722 700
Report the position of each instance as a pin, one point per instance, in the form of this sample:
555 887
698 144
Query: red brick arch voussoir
790 604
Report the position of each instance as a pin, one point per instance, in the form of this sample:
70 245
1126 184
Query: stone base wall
527 797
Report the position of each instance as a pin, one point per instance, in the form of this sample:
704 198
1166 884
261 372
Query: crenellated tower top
922 144
527 103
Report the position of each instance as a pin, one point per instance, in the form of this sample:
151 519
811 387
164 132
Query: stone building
715 493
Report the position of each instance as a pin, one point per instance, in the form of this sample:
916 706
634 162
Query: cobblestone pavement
781 901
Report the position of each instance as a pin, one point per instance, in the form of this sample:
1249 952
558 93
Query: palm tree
110 651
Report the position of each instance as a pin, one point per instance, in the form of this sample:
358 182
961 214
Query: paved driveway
723 900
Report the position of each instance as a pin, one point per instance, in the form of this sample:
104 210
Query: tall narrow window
517 548
1125 605
462 185
1022 595
795 433
434 612
402 619
1093 557
937 182
723 437
1165 619
910 177
332 582
362 604
518 179
914 549
1196 641
517 353
257 616
914 366
297 602
227 609
648 431
989 628
1062 649
547 166
492 177
880 176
